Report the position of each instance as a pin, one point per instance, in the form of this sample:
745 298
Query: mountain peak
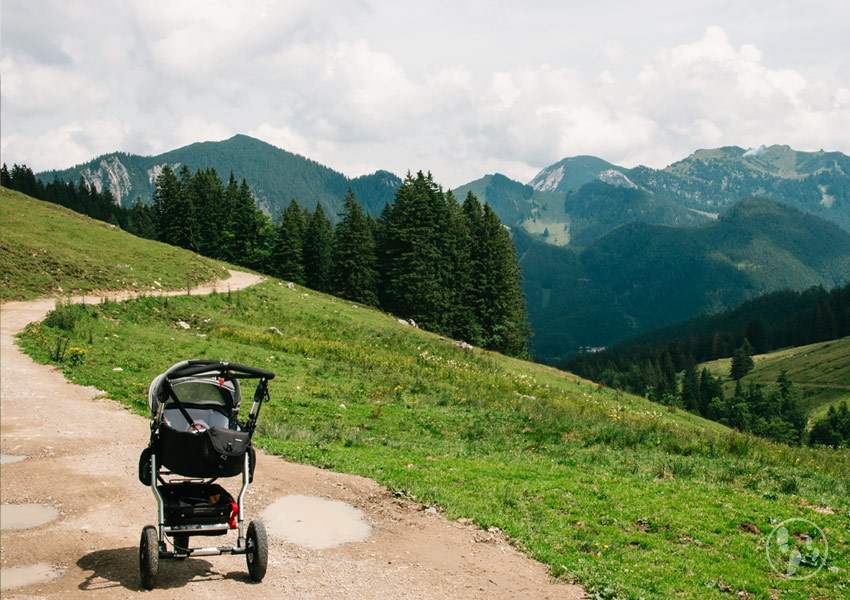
570 174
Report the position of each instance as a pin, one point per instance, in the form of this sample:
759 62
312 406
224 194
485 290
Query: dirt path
70 464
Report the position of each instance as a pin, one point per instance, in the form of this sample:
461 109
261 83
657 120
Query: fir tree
742 361
287 258
355 275
709 389
460 320
173 225
502 314
690 388
142 220
411 282
207 192
318 251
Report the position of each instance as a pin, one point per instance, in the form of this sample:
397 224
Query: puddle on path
315 523
15 577
25 516
5 459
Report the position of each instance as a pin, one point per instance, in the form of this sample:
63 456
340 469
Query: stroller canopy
205 389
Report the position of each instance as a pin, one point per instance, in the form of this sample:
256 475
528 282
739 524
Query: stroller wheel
148 556
258 550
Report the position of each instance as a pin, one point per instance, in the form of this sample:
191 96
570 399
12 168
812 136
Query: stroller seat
205 417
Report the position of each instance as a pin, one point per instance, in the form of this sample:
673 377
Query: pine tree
742 362
667 374
459 320
170 212
142 220
207 192
411 253
287 258
355 275
709 389
690 388
318 251
501 305
229 243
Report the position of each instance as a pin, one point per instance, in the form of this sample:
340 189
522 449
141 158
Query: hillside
276 176
538 212
640 276
597 208
46 249
820 371
583 478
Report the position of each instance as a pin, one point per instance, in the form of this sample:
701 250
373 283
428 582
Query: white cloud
30 87
71 144
711 93
197 129
366 86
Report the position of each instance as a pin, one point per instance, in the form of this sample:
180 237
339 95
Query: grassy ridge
820 371
46 249
608 489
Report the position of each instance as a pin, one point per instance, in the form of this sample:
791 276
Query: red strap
234 512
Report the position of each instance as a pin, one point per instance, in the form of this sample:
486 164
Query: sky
459 88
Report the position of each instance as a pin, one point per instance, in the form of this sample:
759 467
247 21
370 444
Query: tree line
79 197
449 267
651 369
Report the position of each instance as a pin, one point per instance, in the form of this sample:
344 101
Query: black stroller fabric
195 427
215 452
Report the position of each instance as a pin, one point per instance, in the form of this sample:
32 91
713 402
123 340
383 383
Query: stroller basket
190 503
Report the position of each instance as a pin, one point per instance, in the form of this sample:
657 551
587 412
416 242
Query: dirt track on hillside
64 448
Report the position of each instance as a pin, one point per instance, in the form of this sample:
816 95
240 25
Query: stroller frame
179 527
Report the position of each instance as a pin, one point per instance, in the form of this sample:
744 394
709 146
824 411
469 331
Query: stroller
196 437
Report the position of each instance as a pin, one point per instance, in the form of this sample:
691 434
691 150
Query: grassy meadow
820 372
628 498
43 251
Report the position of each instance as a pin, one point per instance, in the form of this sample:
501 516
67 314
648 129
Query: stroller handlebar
187 368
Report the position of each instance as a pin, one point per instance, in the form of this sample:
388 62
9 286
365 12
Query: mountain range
705 183
607 252
276 176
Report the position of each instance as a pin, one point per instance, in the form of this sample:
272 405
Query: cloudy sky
460 88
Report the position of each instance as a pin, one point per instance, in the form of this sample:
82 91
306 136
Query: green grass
42 253
821 372
624 496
